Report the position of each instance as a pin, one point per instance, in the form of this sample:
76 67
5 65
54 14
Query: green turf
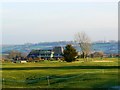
61 74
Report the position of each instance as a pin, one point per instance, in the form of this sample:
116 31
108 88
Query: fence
47 79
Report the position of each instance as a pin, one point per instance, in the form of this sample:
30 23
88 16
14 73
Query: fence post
3 80
48 80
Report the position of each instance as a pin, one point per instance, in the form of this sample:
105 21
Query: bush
98 54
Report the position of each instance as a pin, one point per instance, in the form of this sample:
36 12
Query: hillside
105 47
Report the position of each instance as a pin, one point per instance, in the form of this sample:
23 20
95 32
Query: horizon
99 41
27 22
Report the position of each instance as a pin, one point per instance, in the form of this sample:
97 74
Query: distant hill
26 48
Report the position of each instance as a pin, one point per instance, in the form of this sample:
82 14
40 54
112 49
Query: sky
34 22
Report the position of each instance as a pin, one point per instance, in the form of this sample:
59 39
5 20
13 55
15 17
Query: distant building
58 52
41 54
55 53
45 54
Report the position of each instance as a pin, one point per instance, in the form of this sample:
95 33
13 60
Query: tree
70 53
84 42
14 54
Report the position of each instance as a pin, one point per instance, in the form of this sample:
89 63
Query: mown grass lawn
54 74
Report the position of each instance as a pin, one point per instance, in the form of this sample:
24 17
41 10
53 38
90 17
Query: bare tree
14 55
82 39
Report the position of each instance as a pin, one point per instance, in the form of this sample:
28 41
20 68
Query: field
55 74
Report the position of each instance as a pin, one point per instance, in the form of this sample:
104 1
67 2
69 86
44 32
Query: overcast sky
26 22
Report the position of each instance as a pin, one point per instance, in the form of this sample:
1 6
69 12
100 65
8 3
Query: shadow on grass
110 84
63 67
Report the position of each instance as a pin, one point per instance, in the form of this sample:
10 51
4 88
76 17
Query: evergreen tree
70 53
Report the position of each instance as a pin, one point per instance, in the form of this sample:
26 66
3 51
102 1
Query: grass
61 74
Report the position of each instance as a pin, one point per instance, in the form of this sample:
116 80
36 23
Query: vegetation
16 55
70 53
97 54
76 74
84 42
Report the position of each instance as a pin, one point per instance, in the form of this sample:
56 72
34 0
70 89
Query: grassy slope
61 74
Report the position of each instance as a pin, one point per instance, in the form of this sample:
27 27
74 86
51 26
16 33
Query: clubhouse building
46 54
